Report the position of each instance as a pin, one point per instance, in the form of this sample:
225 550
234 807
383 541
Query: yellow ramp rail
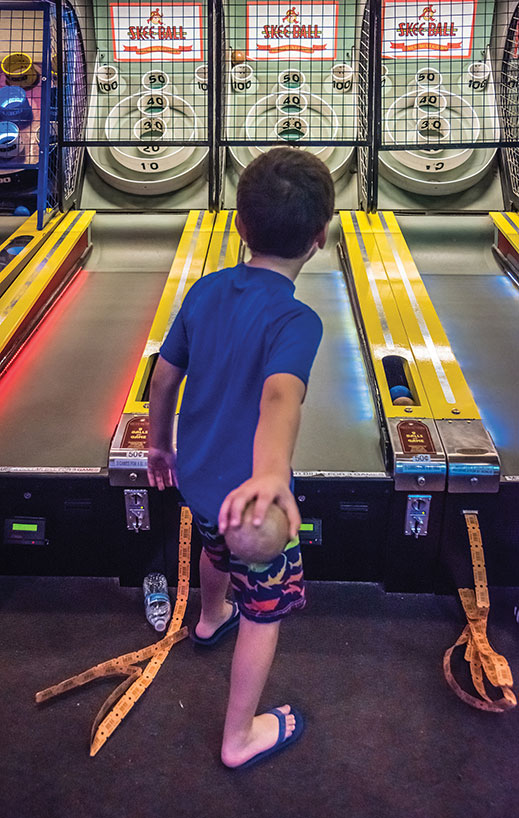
187 267
508 225
506 242
384 330
37 286
224 250
128 450
447 390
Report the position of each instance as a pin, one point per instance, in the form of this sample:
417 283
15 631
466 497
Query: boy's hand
161 468
264 490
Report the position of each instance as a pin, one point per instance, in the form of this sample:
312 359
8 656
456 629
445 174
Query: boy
247 346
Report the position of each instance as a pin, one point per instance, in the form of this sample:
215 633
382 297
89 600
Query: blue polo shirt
234 329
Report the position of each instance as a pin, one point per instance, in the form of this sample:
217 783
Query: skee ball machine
446 165
301 74
110 113
147 115
149 121
292 74
430 135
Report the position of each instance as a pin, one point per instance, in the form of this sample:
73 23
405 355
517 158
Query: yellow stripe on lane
224 249
385 333
223 252
508 225
446 387
187 267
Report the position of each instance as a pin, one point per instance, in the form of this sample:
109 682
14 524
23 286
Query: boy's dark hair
285 198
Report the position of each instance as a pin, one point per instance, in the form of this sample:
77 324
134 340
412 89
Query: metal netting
21 43
290 73
73 107
509 100
365 158
149 67
28 142
438 81
49 121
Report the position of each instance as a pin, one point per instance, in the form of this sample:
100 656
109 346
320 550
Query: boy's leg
275 588
245 734
215 607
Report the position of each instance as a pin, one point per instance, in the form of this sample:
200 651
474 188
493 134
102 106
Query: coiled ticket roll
121 701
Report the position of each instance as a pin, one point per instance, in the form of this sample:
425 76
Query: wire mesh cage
508 98
438 83
150 91
366 166
28 115
48 135
72 99
290 76
440 122
150 73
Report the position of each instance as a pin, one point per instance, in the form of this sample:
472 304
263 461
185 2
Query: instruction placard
170 31
443 29
305 30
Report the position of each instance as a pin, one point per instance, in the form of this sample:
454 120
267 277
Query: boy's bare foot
207 627
263 735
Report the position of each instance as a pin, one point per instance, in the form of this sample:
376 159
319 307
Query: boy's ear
240 227
322 236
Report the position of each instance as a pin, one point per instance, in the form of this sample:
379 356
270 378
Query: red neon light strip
152 48
303 48
52 315
429 45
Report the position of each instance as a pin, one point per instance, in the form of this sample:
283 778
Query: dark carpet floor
385 737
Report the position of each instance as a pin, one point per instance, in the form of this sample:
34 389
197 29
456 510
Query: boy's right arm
274 441
165 386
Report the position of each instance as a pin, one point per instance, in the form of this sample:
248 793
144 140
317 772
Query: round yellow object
19 69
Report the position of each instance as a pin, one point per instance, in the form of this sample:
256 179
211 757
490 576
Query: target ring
259 122
267 107
159 158
401 115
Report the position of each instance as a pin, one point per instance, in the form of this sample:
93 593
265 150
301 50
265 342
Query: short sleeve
295 345
175 349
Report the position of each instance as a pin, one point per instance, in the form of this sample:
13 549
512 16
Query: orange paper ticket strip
121 701
482 659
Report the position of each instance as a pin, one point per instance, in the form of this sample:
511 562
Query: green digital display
307 527
24 527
